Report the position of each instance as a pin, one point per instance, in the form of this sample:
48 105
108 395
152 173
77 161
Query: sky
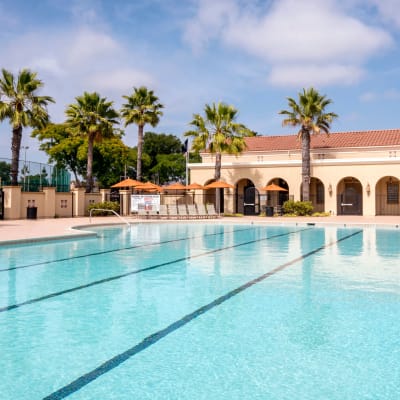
252 54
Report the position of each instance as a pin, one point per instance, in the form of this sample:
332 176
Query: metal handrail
106 209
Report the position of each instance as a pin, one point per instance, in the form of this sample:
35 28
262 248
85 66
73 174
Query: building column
105 195
12 202
79 202
49 202
368 197
330 199
125 202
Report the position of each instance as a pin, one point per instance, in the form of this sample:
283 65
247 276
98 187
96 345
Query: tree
20 104
169 167
160 143
142 108
166 158
62 147
112 158
5 170
309 113
93 118
217 132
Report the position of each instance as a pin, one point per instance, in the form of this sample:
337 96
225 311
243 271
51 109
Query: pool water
203 311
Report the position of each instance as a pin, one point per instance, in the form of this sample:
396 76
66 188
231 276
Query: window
64 203
392 193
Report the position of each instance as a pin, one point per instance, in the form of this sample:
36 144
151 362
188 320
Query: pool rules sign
147 202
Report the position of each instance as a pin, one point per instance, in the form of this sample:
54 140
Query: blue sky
252 54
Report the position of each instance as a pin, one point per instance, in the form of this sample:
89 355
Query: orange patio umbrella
194 186
148 187
219 185
126 183
273 188
175 186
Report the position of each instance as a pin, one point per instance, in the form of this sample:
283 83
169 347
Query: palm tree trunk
15 150
139 153
89 168
306 166
217 174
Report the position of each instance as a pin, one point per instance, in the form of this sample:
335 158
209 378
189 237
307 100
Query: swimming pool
203 311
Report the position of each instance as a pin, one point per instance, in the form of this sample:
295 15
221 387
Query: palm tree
142 108
309 113
94 118
217 132
20 104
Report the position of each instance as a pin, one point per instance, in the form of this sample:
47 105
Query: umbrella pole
217 200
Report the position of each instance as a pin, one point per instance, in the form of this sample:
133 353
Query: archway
210 196
247 198
387 196
317 194
277 198
349 196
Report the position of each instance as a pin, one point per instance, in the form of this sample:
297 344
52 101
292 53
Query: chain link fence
33 176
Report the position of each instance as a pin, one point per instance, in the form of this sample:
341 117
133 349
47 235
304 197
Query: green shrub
233 215
298 208
108 205
321 214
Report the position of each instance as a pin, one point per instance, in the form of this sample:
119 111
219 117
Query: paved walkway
32 230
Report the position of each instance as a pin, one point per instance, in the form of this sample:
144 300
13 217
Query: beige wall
49 203
368 166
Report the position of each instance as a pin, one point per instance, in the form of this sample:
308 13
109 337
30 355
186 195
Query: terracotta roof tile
389 137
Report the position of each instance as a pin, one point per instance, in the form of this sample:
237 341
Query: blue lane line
120 249
155 337
112 278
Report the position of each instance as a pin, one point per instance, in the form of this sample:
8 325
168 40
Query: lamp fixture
368 189
330 189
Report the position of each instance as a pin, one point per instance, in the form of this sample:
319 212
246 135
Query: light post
25 168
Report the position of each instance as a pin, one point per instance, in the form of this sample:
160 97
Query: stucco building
352 173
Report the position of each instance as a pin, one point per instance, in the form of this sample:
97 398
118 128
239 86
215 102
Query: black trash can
31 212
269 211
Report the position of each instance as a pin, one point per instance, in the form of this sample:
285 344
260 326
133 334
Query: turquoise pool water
190 311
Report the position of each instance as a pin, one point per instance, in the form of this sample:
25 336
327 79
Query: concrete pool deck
25 230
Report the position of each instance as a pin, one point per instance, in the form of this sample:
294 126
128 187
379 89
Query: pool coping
30 231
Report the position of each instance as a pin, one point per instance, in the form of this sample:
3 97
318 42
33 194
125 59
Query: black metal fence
385 206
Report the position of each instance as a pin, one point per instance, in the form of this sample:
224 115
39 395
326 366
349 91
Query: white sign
148 202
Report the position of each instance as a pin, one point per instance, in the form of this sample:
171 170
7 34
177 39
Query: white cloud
386 95
294 38
49 64
311 75
306 31
211 19
120 80
88 47
70 62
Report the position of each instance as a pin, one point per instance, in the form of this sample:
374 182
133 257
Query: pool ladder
106 209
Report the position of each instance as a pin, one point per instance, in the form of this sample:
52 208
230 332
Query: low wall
48 203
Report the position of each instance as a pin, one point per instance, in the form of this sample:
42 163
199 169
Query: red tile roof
389 137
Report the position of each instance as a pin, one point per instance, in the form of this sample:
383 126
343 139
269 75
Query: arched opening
387 196
210 196
276 198
317 194
247 198
349 196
